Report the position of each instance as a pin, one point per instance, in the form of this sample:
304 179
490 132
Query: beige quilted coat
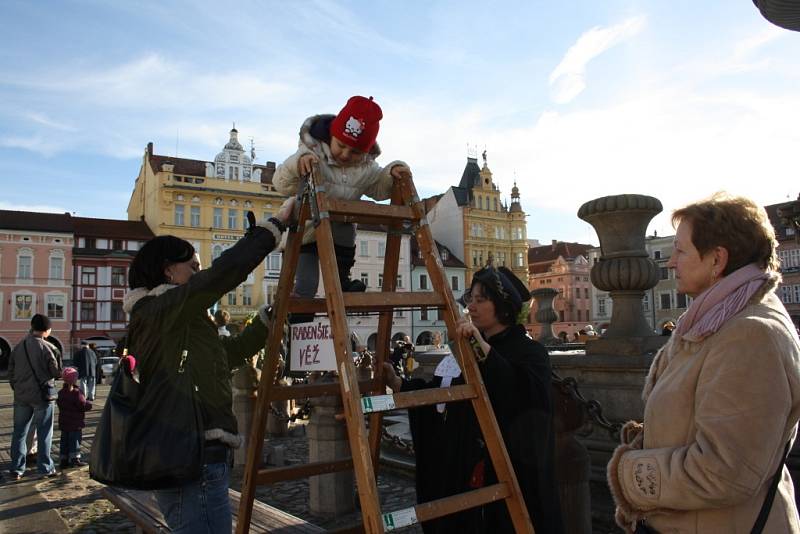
718 414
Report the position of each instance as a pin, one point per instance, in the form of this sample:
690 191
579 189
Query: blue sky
574 100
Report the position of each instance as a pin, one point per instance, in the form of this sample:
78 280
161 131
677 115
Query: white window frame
247 295
180 215
56 255
363 248
50 297
381 249
25 253
194 216
217 218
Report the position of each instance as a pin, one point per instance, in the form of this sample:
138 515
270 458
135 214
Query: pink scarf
709 311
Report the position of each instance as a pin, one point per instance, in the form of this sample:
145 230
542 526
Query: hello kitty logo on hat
354 127
357 123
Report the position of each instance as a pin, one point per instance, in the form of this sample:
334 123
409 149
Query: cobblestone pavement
77 500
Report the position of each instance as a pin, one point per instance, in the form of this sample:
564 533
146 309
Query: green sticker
377 403
399 519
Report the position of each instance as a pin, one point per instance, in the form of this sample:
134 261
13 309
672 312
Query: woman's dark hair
147 268
505 290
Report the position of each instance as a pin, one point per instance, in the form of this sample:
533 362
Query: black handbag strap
30 364
761 520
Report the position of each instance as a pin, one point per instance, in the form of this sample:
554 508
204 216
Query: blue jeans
87 386
202 506
70 448
40 415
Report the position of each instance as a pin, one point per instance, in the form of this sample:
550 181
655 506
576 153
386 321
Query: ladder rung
303 391
435 509
370 301
368 212
279 474
414 399
456 503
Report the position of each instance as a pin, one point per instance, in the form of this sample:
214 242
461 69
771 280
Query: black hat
505 283
40 323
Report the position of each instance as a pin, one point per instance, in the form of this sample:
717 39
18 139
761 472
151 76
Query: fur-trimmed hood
135 295
317 128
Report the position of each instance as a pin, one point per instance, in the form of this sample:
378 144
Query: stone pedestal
333 494
245 385
625 270
545 314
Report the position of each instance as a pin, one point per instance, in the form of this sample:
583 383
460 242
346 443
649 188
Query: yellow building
206 202
472 218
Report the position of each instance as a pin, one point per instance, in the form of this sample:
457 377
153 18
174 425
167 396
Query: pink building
565 268
35 276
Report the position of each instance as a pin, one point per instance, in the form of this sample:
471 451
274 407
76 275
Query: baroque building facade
785 218
35 276
206 203
104 250
564 267
472 221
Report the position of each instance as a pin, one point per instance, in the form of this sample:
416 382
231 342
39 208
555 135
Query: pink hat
357 123
69 375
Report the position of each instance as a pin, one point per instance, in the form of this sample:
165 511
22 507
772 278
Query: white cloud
44 120
568 79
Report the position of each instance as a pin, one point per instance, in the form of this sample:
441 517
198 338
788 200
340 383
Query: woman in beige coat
722 398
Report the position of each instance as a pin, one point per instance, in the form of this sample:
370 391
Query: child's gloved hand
400 171
305 162
286 214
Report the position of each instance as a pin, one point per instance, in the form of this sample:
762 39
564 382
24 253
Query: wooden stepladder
368 396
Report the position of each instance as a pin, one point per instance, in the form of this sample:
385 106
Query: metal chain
397 441
569 386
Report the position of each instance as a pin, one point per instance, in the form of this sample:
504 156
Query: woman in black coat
450 452
168 306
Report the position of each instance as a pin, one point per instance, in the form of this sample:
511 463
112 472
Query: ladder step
368 212
279 474
442 507
302 391
414 399
370 301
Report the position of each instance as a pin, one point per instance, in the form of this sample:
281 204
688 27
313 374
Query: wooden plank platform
141 508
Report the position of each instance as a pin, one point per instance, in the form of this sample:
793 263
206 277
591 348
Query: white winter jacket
346 183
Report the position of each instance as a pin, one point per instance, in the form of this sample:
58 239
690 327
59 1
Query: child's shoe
77 462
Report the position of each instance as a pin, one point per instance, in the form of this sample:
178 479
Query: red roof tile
36 221
111 228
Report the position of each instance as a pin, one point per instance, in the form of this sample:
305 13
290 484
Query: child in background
72 406
344 147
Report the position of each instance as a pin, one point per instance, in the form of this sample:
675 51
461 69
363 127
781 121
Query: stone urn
625 270
545 314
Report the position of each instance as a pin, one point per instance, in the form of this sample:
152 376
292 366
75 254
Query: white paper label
399 519
448 367
312 346
377 403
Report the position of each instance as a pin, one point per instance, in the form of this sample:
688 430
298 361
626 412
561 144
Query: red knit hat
358 122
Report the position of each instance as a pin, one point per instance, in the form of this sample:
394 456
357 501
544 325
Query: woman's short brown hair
738 224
